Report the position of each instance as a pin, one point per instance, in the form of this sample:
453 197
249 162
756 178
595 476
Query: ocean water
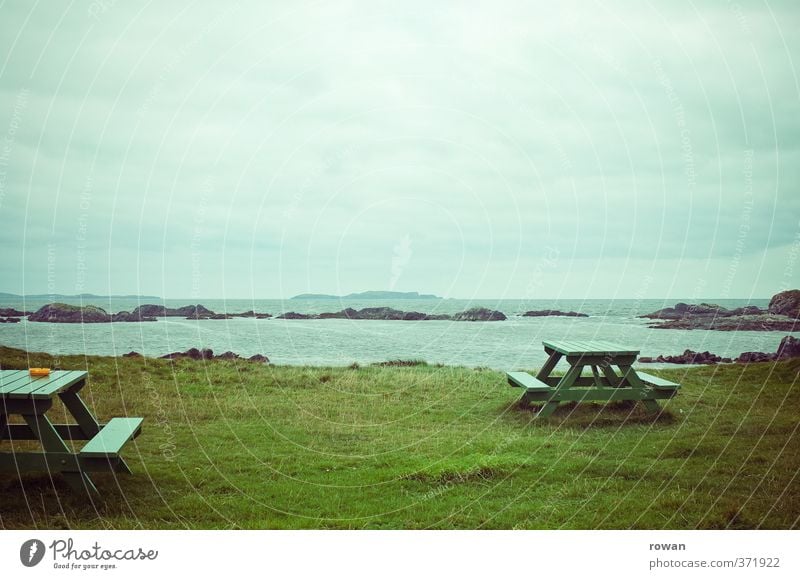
512 344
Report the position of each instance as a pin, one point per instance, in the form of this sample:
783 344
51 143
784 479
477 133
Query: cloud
313 137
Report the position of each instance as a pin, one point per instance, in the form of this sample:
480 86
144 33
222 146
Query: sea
512 344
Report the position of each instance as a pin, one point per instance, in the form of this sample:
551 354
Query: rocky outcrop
9 320
479 315
158 311
763 323
208 354
715 317
13 313
382 313
786 304
788 348
688 357
132 355
192 354
68 314
251 314
542 313
294 316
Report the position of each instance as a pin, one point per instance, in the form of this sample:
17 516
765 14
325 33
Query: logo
31 552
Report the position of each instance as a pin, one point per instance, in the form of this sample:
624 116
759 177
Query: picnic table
30 397
612 377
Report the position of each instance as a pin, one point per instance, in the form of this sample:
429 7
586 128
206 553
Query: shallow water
514 343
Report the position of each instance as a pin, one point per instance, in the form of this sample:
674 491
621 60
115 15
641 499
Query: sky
467 149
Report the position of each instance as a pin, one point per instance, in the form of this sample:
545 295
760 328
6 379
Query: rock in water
789 348
479 315
786 304
66 314
542 313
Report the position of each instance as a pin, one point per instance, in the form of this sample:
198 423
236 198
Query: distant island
5 295
370 295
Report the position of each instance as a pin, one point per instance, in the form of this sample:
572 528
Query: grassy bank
234 444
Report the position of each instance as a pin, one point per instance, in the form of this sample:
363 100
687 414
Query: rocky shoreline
788 348
781 315
69 314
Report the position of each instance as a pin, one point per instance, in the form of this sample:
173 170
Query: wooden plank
113 436
657 382
15 379
45 387
589 347
525 380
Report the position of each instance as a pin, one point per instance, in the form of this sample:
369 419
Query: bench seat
525 380
657 382
112 437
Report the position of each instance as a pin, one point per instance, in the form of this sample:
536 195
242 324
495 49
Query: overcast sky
468 149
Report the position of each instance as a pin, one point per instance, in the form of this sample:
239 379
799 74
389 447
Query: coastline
267 446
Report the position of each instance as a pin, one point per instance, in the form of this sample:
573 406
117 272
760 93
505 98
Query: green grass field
239 445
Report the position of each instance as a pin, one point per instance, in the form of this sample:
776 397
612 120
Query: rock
479 315
228 356
788 348
11 320
129 317
384 313
762 323
192 354
132 355
750 357
68 314
541 313
688 357
786 303
158 311
259 359
13 313
293 316
251 314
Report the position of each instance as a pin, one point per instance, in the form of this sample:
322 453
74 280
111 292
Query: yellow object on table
39 371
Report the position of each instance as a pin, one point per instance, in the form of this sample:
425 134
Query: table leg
83 416
549 366
52 442
570 377
630 376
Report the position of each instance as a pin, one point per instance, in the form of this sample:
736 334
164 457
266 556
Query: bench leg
547 410
52 442
652 406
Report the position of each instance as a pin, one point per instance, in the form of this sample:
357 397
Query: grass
231 444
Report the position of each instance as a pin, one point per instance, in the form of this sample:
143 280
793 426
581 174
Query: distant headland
370 295
6 295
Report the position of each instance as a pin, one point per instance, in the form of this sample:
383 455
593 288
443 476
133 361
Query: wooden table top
20 384
589 348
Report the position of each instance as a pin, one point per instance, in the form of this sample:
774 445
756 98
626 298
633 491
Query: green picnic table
31 397
612 377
